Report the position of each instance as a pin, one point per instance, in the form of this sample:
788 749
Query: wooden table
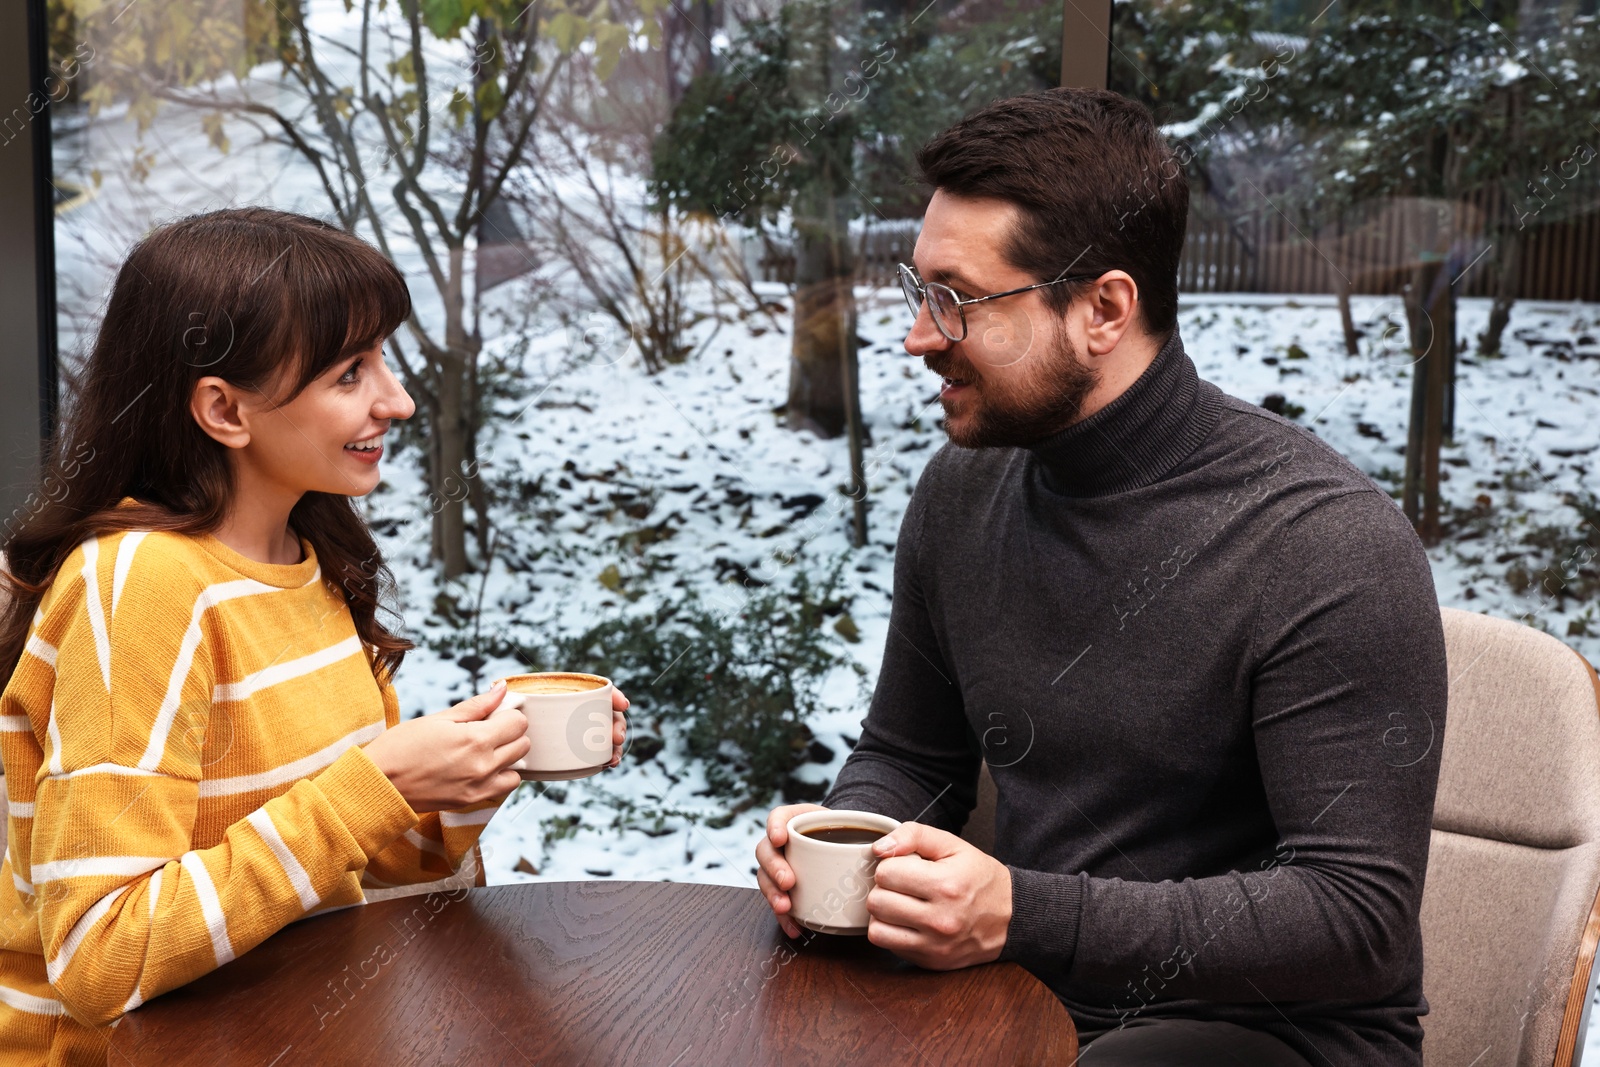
658 974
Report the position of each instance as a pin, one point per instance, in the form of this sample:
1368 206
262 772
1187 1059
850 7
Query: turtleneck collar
1138 437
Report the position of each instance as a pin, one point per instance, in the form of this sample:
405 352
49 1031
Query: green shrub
740 677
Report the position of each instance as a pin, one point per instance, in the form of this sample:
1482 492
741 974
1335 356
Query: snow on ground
678 479
700 443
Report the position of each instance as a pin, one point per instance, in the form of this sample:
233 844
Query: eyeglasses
948 309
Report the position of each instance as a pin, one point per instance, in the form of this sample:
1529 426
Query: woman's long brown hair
266 300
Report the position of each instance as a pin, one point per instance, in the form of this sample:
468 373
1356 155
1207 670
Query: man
1199 650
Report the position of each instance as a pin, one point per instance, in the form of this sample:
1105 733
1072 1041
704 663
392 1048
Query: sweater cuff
1045 911
366 802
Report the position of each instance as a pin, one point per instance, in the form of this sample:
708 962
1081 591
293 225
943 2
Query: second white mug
832 878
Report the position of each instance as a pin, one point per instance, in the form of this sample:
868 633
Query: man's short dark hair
1098 187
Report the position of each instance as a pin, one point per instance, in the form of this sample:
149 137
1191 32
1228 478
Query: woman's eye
350 377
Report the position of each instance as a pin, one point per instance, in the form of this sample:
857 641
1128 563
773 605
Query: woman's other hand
619 726
459 757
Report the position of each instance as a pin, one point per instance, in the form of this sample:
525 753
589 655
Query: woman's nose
395 403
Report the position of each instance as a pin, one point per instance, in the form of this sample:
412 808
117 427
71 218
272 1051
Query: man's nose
925 337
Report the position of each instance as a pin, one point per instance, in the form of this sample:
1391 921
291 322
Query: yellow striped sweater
181 747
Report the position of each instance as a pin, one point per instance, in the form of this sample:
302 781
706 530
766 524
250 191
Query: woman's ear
215 406
1111 307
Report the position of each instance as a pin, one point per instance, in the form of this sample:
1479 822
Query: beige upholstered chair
1510 915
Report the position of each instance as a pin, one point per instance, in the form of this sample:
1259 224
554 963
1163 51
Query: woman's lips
371 455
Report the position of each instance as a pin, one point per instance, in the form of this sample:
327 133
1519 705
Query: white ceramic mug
569 723
832 880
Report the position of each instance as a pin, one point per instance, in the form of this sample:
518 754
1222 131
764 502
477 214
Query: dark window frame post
1085 42
28 382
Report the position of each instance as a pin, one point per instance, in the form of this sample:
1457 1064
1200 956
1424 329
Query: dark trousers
1184 1043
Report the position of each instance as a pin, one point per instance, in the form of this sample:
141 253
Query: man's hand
774 875
938 902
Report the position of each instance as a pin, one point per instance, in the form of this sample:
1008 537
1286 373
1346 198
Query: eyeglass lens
941 304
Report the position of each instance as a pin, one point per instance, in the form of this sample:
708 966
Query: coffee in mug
844 835
831 854
569 724
555 682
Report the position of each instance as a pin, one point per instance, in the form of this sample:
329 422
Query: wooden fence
1373 249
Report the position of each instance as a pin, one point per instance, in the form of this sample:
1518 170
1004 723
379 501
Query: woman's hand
456 758
619 726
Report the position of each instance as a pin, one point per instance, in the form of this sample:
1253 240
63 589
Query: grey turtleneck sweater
1202 655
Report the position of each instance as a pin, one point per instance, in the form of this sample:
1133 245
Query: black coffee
844 835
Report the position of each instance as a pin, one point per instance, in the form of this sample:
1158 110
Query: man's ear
1111 309
215 406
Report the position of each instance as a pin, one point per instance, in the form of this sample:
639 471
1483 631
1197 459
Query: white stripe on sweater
24 886
209 597
39 648
16 998
210 906
125 551
53 735
96 867
15 724
262 821
103 768
21 809
153 890
289 772
283 672
55 968
97 613
423 844
470 818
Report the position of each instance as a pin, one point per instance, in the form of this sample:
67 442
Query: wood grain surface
607 973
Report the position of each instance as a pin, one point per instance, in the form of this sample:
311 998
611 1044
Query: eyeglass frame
905 271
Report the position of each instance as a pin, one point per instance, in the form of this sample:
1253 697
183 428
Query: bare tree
413 116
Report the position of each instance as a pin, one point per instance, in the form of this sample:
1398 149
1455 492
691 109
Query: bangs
341 296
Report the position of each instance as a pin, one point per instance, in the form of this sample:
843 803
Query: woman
200 735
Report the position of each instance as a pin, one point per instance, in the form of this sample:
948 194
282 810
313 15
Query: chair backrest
1509 911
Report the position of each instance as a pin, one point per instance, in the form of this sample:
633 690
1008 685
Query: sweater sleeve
1348 687
917 757
127 908
435 847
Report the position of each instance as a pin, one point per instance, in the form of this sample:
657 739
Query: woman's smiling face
328 438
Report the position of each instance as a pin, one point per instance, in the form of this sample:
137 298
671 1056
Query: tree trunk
857 431
1430 307
450 487
452 477
824 316
1505 291
1347 320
